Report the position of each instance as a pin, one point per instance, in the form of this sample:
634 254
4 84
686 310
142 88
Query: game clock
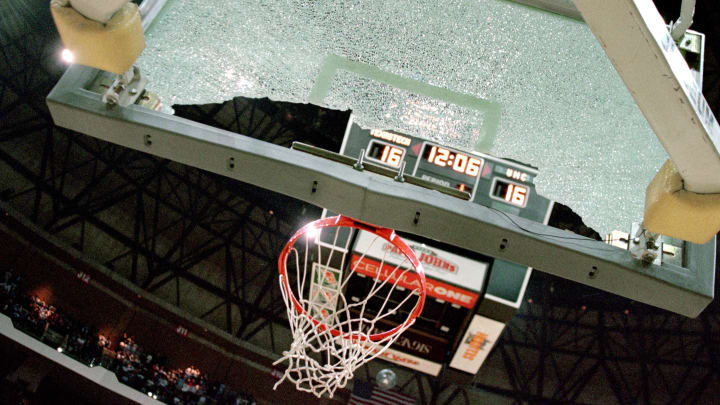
458 162
449 167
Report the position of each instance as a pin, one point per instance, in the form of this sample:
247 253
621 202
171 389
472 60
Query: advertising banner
435 288
437 263
479 339
410 361
415 343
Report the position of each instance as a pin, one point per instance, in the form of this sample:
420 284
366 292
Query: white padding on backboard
98 10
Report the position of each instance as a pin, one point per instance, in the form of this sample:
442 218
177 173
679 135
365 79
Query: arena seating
133 365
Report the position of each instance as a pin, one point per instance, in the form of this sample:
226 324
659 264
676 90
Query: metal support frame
638 43
382 201
679 27
195 209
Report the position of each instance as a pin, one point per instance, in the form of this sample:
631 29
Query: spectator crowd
134 366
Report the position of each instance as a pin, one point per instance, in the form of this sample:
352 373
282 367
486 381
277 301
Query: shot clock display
385 153
511 193
459 162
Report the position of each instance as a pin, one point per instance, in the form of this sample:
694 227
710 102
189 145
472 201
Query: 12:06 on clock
459 162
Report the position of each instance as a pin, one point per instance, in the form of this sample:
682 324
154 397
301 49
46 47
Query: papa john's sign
437 263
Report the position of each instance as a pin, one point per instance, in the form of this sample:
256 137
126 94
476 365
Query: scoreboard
470 296
497 183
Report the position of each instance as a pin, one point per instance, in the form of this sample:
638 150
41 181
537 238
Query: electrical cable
583 238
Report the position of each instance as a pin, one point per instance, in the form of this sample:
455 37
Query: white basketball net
318 361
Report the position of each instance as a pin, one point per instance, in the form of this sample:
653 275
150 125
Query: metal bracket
149 100
125 89
672 254
618 239
670 250
692 48
679 27
645 245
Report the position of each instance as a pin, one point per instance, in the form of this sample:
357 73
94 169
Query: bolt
401 173
359 164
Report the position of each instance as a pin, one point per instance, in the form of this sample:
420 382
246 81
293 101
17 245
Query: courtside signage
475 346
425 346
437 263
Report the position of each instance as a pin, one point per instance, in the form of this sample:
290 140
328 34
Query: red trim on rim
385 233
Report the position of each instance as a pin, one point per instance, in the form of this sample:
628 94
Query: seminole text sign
437 263
415 343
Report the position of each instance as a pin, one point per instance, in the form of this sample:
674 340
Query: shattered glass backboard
563 107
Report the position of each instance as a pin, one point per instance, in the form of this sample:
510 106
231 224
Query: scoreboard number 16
515 194
511 193
392 156
385 153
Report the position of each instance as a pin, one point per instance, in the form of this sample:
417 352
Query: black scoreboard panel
497 183
434 331
447 332
375 141
385 153
456 280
